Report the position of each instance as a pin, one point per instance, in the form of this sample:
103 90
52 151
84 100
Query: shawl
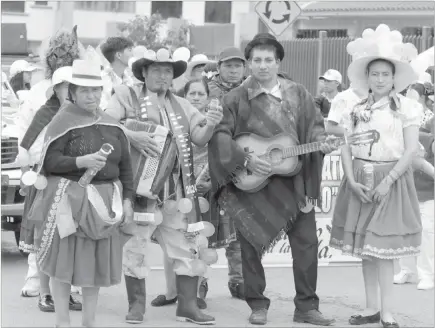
218 87
261 216
41 119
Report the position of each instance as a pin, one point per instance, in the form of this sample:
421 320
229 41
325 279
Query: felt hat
264 39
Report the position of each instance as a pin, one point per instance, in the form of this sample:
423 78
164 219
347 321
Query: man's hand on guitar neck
328 147
144 142
258 166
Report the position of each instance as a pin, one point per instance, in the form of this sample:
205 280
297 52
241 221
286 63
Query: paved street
340 290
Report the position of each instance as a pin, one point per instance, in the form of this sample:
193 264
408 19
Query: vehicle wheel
17 240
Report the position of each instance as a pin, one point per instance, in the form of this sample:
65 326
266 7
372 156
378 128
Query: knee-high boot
187 308
136 293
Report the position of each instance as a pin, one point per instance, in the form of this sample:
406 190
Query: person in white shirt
330 87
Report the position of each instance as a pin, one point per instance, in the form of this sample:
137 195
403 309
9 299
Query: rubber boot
136 293
187 308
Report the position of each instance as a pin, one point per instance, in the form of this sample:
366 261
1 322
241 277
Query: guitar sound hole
275 156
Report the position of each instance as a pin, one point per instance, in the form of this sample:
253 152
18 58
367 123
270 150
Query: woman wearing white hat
84 174
376 217
20 75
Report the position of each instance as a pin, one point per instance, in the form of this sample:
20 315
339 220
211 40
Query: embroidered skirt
27 231
92 255
390 229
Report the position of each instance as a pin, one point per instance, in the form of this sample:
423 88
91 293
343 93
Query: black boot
187 309
136 293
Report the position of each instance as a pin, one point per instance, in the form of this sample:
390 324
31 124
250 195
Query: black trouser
303 242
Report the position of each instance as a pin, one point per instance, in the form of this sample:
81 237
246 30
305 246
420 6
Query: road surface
340 290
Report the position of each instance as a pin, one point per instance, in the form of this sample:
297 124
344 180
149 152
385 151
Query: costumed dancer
86 205
61 50
376 216
177 204
267 105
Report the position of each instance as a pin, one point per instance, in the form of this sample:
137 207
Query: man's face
232 70
124 56
158 77
264 65
329 86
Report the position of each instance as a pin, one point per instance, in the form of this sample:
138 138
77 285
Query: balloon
150 54
351 47
208 229
208 255
170 207
185 205
396 37
198 267
23 192
181 54
139 51
158 218
202 241
204 205
162 54
29 178
382 29
368 33
41 182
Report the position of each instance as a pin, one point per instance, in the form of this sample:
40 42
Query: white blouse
390 125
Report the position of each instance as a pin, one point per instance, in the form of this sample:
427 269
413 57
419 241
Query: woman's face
197 71
27 77
197 95
61 91
87 98
381 78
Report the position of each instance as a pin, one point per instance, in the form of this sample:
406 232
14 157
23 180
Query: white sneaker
76 290
425 284
404 277
30 288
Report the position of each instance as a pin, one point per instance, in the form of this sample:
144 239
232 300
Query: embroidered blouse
61 156
390 125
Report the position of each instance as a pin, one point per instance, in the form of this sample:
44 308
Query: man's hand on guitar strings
145 142
327 146
258 166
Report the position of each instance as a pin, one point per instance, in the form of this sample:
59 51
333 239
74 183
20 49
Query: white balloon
396 37
382 29
29 178
162 54
368 33
181 54
150 54
139 51
41 182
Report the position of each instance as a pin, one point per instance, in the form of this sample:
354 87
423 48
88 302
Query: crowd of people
83 224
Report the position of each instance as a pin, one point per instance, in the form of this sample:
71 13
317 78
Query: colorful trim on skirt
387 230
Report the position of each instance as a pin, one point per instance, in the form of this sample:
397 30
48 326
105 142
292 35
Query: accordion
151 173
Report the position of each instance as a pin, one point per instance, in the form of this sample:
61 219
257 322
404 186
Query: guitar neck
306 148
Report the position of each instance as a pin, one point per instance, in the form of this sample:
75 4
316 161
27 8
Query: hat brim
86 82
403 77
264 41
179 67
231 57
325 78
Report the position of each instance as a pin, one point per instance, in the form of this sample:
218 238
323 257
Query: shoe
357 320
258 317
162 301
202 304
74 305
237 290
76 290
187 307
403 277
30 288
425 284
389 324
314 317
46 303
136 294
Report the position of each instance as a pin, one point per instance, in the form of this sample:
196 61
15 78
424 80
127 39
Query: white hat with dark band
86 73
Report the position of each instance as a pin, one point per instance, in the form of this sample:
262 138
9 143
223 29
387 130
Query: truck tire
17 240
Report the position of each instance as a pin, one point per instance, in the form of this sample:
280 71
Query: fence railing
307 59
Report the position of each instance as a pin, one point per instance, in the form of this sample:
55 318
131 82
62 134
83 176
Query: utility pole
64 15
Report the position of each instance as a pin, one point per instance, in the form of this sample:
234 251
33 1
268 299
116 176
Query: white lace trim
26 247
369 251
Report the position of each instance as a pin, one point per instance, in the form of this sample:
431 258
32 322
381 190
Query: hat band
88 77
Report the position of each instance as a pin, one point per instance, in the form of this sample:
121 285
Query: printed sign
278 15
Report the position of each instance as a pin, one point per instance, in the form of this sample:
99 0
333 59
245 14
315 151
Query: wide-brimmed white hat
196 60
86 73
381 44
19 66
63 74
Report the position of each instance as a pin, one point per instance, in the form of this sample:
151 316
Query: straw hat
381 44
63 74
86 73
161 56
196 60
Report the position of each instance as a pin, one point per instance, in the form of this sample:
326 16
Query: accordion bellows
151 173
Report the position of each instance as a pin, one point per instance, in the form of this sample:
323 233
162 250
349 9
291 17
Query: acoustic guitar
282 152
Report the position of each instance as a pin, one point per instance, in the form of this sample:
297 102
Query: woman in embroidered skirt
84 225
377 216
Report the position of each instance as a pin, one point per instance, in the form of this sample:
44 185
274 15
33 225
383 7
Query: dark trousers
303 242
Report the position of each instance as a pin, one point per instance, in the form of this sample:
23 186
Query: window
13 6
109 6
167 8
314 34
41 3
217 12
415 31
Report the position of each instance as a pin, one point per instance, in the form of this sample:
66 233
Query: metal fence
306 59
